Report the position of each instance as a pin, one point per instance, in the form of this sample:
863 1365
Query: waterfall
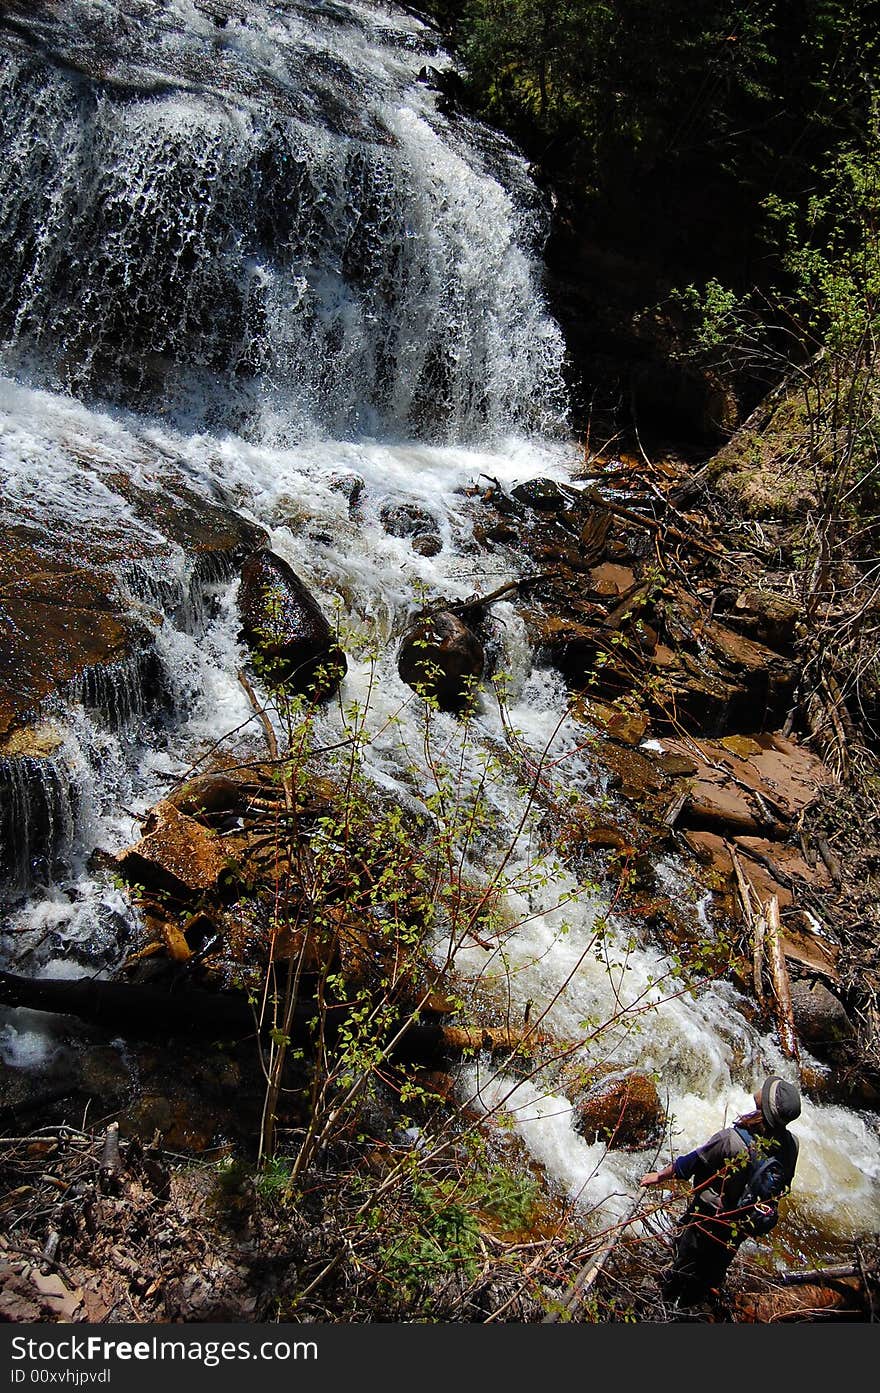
247 253
265 227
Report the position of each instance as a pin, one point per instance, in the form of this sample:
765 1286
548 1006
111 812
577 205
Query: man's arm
684 1167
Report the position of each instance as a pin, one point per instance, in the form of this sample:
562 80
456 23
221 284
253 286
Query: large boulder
442 659
283 624
623 1110
820 1016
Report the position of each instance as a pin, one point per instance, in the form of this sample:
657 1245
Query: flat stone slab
730 773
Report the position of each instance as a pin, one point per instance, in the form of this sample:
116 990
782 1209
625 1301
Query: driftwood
594 534
781 985
590 1272
832 865
269 734
469 609
755 922
111 1159
492 1039
50 1247
759 929
676 806
818 1275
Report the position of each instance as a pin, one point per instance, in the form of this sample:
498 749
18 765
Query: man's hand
658 1177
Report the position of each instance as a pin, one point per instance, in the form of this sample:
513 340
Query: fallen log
845 1300
676 806
818 1275
785 1025
492 1039
754 922
132 1009
136 1011
590 1272
111 1159
832 865
759 929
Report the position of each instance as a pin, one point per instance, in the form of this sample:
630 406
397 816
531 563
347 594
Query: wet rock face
442 658
283 623
406 520
64 618
39 803
57 622
544 495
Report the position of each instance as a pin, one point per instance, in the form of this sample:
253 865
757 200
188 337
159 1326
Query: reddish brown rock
711 851
611 579
842 1299
716 799
616 721
750 784
622 1110
175 853
786 863
609 838
804 943
635 776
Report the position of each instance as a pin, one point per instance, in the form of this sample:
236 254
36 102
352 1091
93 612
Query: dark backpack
757 1209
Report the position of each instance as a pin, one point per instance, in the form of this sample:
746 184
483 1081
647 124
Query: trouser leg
701 1257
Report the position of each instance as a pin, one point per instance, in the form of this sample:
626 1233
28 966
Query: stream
248 251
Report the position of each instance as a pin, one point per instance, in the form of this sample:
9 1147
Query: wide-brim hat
780 1101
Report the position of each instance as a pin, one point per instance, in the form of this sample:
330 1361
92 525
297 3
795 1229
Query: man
714 1224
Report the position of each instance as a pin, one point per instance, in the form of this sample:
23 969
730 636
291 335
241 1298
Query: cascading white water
255 257
267 227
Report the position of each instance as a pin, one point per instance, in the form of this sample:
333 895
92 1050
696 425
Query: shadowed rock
441 658
820 1016
284 625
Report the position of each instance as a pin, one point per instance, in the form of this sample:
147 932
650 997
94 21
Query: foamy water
386 327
